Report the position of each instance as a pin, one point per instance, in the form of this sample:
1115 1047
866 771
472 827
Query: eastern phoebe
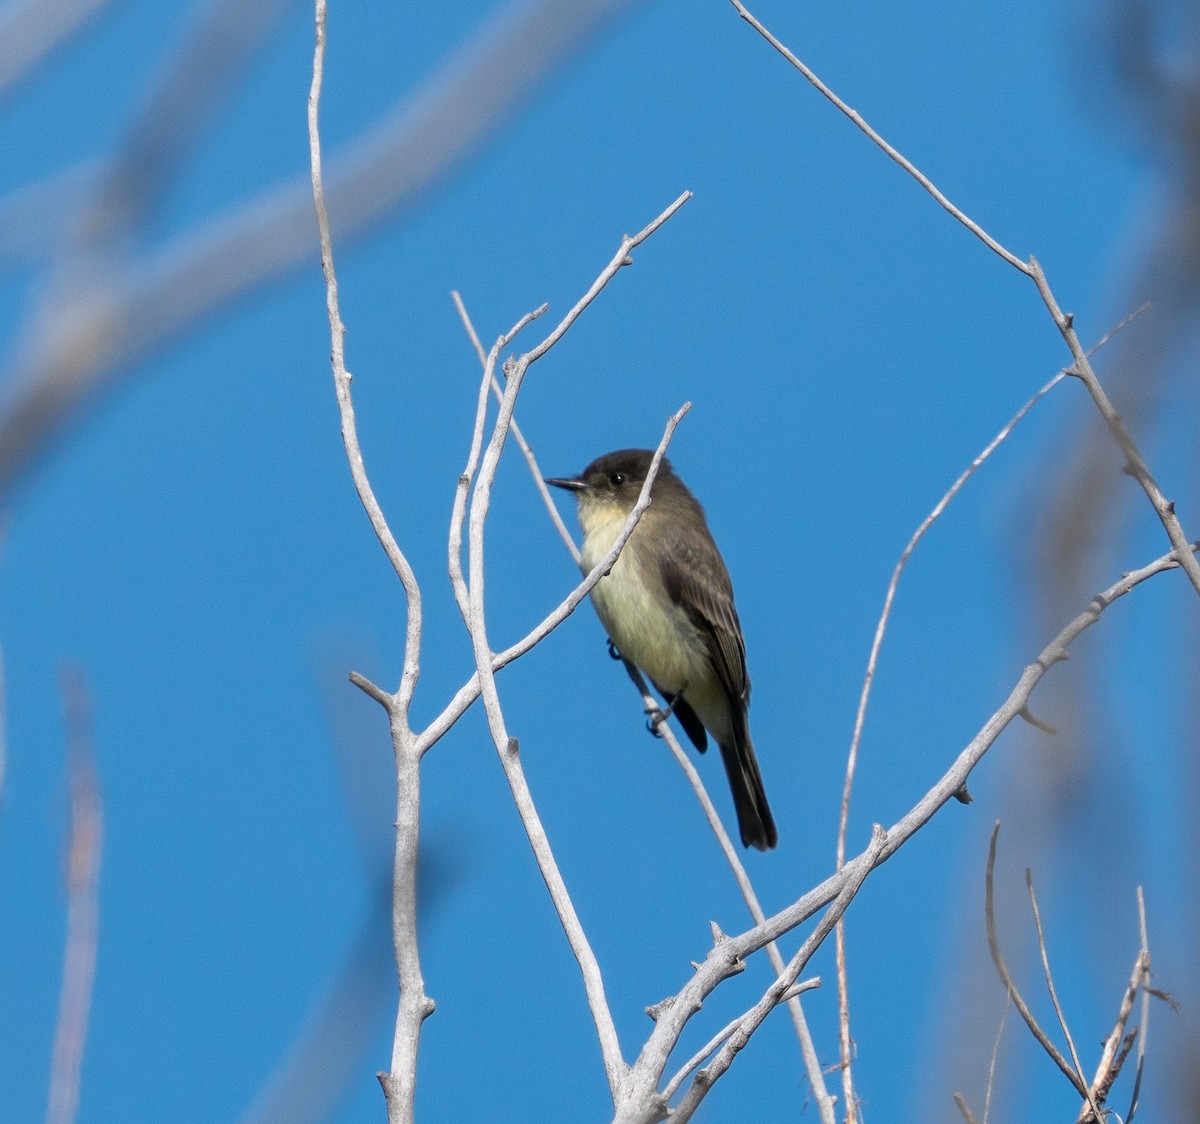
667 606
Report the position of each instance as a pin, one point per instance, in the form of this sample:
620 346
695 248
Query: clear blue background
195 546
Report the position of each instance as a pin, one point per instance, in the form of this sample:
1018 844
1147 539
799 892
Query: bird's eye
617 479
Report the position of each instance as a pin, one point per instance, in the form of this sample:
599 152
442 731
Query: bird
667 606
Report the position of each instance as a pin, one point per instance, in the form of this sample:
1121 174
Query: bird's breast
648 628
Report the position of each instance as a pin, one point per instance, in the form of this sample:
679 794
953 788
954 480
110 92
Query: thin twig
1144 1022
906 554
1116 1045
1135 463
750 1022
414 1006
342 379
1062 1019
808 1050
526 450
844 1037
878 140
1007 980
506 746
470 691
672 1086
615 1066
968 1115
458 513
991 1081
84 841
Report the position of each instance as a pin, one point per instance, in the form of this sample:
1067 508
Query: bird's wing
696 579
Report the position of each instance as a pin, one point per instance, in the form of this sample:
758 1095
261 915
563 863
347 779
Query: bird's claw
657 717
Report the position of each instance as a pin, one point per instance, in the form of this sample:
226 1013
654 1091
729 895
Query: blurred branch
88 332
967 1114
324 1060
83 902
30 30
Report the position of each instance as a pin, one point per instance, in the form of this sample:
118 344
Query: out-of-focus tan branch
83 902
87 331
30 30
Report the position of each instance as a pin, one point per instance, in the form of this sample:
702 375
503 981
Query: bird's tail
755 821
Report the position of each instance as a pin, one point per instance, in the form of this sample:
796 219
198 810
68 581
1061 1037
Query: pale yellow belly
656 635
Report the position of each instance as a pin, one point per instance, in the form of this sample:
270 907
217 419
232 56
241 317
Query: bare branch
459 510
1062 1019
341 379
470 691
968 1115
84 842
1144 1022
707 1077
991 1079
519 437
844 1037
1117 1045
619 261
1136 465
892 153
399 1083
722 1035
808 1051
614 1064
1007 980
506 746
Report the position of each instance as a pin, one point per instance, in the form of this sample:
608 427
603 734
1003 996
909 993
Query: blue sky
193 544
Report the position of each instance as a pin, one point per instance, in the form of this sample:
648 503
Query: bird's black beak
570 483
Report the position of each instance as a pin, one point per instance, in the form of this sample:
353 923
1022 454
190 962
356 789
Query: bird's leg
658 715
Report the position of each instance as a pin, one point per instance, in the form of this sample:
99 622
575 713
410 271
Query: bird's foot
656 716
